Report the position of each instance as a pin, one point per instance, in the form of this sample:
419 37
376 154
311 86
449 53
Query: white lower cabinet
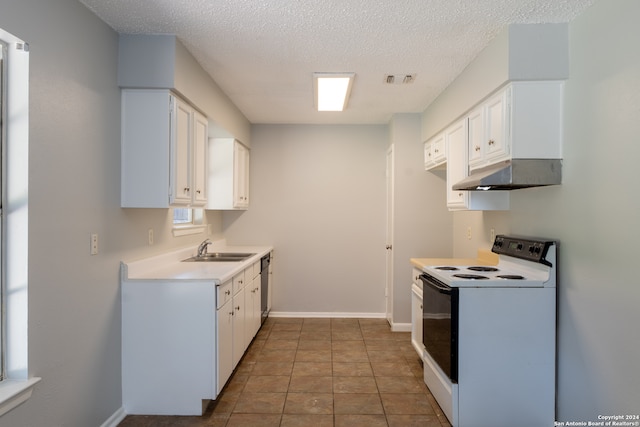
168 346
237 320
182 341
416 313
224 334
252 301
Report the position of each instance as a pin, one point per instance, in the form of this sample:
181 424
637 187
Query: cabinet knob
238 308
186 189
420 306
227 293
477 148
491 142
198 191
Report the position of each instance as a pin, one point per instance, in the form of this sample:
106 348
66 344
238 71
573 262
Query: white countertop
169 266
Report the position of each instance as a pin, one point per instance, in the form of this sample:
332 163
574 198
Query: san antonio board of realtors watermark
604 421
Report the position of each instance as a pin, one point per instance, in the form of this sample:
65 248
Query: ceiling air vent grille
399 79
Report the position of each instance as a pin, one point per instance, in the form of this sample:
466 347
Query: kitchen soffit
263 54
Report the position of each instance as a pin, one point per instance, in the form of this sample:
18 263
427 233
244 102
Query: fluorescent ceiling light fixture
331 90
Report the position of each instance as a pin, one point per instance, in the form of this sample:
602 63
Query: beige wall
318 196
593 215
422 223
74 190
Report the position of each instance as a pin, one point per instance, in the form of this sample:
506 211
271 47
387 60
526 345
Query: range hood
513 174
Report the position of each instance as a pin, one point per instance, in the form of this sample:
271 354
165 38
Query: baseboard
395 327
298 314
401 327
115 419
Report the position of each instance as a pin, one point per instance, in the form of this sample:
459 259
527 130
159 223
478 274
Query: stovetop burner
510 276
447 268
470 276
482 268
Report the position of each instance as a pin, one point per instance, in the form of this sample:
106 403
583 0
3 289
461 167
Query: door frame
388 293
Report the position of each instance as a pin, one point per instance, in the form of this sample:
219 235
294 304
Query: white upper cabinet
228 178
457 136
520 121
488 131
435 152
200 159
456 165
180 193
241 175
163 151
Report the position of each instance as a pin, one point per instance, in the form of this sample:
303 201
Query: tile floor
320 372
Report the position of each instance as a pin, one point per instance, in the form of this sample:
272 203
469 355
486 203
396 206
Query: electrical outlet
150 236
492 234
469 233
94 244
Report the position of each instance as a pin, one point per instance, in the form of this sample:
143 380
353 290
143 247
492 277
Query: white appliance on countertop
490 336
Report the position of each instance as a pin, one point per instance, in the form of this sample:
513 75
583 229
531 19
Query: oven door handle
435 284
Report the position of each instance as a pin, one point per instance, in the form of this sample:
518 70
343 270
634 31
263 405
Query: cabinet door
456 164
416 322
256 316
496 145
241 175
239 308
428 156
180 153
435 152
438 149
249 295
476 136
224 324
200 159
257 296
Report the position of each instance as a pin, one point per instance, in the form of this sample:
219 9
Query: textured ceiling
263 53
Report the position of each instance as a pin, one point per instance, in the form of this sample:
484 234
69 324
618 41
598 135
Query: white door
389 240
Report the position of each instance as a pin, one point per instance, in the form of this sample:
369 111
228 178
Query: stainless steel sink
220 257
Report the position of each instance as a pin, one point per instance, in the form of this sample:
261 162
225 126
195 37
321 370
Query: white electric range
490 336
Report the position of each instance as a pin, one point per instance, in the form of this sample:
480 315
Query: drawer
415 274
223 293
238 282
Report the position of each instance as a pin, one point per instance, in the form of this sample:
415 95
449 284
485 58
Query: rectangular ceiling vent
399 79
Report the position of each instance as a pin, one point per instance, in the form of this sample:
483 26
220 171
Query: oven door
440 324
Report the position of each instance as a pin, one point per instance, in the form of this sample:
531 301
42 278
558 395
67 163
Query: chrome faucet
202 249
